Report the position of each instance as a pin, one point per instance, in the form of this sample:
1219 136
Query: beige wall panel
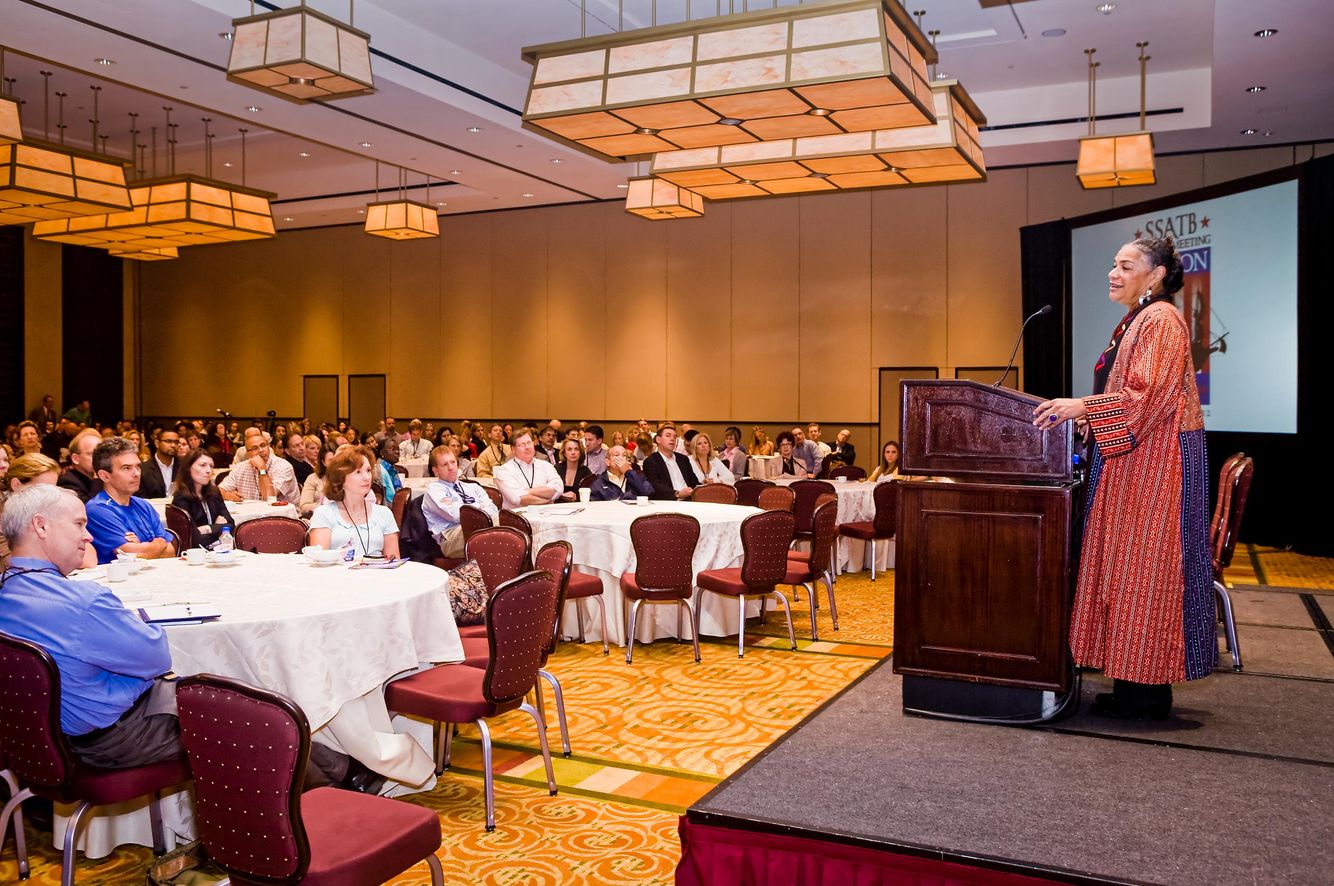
1175 174
637 357
1225 166
699 306
416 386
519 341
835 312
907 278
765 300
576 312
42 323
984 279
465 312
1054 192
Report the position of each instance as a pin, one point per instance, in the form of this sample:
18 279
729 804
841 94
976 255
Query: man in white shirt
414 445
262 475
446 496
524 479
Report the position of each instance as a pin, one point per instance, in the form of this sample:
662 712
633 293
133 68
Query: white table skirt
327 637
600 536
241 511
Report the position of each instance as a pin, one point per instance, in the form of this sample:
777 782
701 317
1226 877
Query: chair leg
692 609
488 779
787 611
1229 624
542 742
741 626
560 709
602 611
71 839
14 808
437 875
630 640
155 823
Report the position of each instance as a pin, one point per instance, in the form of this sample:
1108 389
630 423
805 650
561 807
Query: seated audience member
732 454
159 473
668 470
547 445
29 440
445 496
760 444
620 480
261 475
195 493
81 478
793 465
296 457
572 469
595 454
387 475
114 706
23 471
351 517
806 450
526 479
813 434
843 450
706 464
495 451
888 469
312 491
120 521
414 445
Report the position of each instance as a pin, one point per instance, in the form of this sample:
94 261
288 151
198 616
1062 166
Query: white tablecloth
600 535
856 504
241 511
416 467
327 637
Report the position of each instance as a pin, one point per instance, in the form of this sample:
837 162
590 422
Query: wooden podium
984 563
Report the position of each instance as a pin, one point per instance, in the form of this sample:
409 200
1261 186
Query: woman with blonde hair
708 467
760 444
22 471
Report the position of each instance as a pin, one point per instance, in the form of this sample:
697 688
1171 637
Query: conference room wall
763 310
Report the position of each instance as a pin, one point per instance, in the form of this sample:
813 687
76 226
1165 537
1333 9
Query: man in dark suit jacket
620 481
669 484
159 472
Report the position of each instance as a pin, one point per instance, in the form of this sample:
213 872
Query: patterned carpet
648 739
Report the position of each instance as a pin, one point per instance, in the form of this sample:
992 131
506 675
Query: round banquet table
856 503
599 532
326 637
416 467
241 511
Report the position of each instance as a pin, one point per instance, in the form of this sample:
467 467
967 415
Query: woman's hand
1050 413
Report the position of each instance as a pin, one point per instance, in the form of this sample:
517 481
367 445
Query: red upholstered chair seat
448 694
583 585
356 838
724 581
476 651
467 631
864 530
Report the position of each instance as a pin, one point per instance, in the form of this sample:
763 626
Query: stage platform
1237 787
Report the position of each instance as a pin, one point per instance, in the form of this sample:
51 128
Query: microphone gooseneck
1045 309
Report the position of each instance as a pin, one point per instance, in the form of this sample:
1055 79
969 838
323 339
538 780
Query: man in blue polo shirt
114 707
119 521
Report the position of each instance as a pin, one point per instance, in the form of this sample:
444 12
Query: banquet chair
249 749
805 568
664 569
1234 486
399 506
178 521
748 491
40 756
776 498
717 493
807 493
521 617
500 553
473 519
496 498
271 535
852 472
765 538
884 524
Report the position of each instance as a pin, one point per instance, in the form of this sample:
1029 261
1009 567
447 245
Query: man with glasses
446 496
160 470
261 475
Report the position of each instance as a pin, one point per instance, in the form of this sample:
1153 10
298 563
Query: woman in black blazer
195 493
572 469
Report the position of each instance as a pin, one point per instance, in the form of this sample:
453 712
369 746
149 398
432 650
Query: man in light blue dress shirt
446 496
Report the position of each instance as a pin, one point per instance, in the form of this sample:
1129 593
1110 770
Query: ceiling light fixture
1111 161
301 55
1266 32
635 93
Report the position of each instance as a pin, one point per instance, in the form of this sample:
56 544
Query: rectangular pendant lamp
402 220
772 74
300 55
39 181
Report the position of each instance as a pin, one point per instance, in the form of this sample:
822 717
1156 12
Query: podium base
979 702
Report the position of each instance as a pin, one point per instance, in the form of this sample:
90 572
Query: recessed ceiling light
474 129
104 62
1256 88
254 109
1106 8
1054 32
365 144
304 154
819 112
526 194
730 121
1266 32
1249 131
226 35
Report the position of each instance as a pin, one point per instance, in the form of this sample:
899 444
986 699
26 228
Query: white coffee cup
641 500
585 495
196 556
118 570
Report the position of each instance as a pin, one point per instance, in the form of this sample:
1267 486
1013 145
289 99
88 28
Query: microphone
1045 309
